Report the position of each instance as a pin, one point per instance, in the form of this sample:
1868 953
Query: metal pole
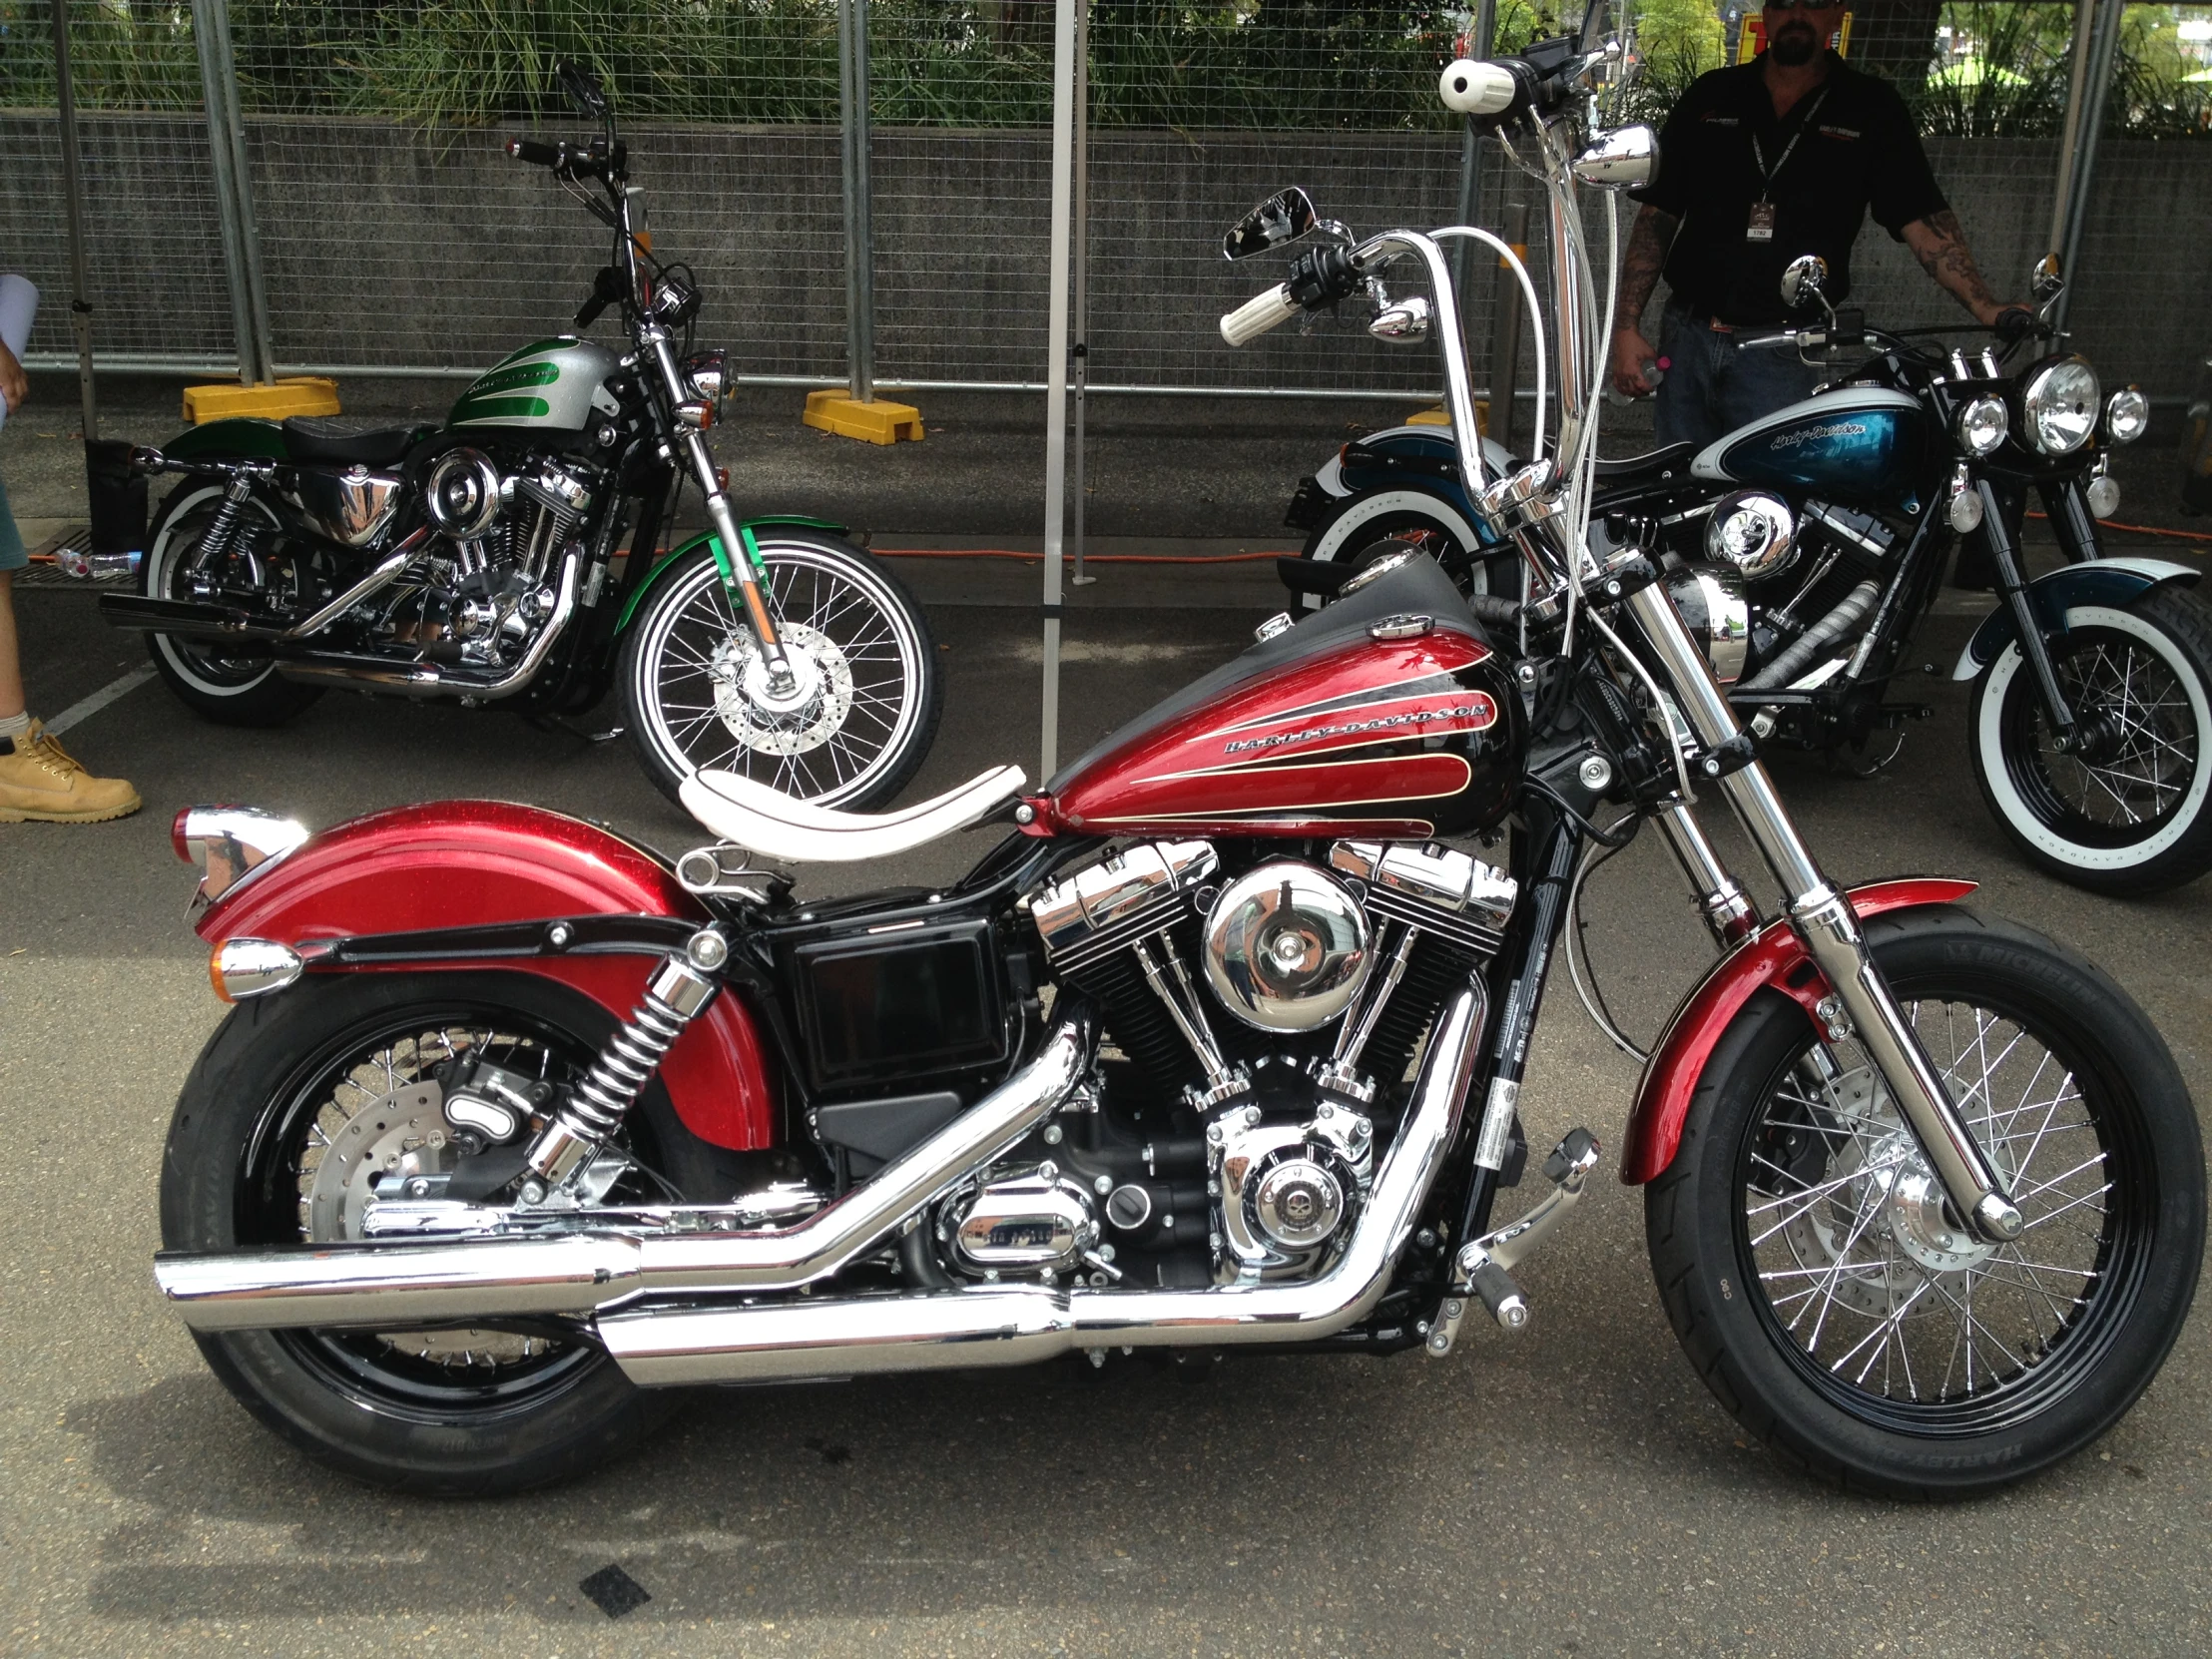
1082 276
2107 51
860 229
1056 365
1471 156
1506 334
73 198
2061 207
234 191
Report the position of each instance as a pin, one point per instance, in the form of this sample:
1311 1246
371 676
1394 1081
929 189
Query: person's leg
38 777
1685 412
1754 384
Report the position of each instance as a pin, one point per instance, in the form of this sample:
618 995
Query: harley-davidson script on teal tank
1858 442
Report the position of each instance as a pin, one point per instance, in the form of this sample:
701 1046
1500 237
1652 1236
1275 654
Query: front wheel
2128 815
1823 1288
862 715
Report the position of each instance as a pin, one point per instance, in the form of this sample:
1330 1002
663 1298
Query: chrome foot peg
1486 1264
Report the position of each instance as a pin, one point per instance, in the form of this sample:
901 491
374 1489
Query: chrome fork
1822 918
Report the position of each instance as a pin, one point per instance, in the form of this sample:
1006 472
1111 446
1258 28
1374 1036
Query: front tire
2137 821
230 691
306 1076
871 691
1819 1284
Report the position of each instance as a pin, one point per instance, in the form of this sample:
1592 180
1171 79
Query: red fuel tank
1357 722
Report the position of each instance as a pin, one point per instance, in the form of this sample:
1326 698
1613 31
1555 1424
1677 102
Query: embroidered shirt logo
1723 121
1840 132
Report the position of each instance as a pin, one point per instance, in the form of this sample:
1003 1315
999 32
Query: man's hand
15 385
1939 245
1632 354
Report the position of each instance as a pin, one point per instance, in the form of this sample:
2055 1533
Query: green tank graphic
552 385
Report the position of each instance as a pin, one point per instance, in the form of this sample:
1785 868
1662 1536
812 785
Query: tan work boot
39 779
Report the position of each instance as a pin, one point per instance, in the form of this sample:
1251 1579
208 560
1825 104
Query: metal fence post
2103 54
234 191
859 231
1083 259
73 197
1056 369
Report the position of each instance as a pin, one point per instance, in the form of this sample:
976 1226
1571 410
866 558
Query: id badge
1761 228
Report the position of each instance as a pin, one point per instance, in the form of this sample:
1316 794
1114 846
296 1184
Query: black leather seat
1632 470
310 439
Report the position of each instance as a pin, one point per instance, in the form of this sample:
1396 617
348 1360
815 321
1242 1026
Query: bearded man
1760 165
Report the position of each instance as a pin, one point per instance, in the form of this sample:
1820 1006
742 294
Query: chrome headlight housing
2060 403
1982 424
707 375
2126 415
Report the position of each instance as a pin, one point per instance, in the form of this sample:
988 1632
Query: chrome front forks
1822 918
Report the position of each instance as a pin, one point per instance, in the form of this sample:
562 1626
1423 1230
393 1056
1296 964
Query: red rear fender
1772 957
460 864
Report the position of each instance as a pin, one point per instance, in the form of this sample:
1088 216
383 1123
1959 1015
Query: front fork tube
735 554
2004 553
2070 520
1822 918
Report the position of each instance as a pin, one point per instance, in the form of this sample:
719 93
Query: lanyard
1767 174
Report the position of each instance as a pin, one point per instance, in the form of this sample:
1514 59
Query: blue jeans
13 554
1712 388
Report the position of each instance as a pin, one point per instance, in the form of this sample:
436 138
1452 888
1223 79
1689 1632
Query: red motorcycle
517 1124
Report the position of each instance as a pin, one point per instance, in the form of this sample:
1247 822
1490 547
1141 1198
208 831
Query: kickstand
554 723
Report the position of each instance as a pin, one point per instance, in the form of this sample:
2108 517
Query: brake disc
782 726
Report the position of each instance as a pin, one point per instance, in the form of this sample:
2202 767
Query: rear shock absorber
682 985
216 540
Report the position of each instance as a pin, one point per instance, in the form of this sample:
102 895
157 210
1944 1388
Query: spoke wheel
1827 1291
298 1107
2128 815
234 691
864 709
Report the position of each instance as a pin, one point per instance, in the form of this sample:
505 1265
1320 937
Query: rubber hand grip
1258 314
1473 88
534 151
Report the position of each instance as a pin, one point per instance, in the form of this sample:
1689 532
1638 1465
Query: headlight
2061 406
2127 414
707 375
1982 426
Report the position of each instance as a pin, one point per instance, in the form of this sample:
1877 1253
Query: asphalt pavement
1571 1490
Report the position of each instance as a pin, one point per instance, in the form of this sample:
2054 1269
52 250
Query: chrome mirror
1284 217
2046 283
1403 322
1803 279
1620 159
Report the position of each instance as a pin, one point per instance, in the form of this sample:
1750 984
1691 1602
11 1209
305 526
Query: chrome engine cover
351 507
1031 1222
1287 947
1129 895
1284 1194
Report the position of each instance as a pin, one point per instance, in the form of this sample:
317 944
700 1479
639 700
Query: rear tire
279 1086
1829 1300
240 691
1358 527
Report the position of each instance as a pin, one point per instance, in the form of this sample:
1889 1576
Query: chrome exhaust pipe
1014 1325
379 1285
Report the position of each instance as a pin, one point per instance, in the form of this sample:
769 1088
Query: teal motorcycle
513 554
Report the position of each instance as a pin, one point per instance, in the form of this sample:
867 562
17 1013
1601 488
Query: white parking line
86 708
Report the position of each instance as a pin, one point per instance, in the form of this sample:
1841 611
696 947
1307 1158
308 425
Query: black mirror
2048 284
1284 217
1803 279
584 90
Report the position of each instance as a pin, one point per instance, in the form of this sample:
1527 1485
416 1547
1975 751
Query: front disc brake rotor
396 1137
767 724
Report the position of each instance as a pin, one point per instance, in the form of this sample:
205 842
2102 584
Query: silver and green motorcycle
512 555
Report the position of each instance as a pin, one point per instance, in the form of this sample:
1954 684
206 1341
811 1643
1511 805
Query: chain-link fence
395 236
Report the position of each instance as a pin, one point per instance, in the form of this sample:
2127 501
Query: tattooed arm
1647 254
1941 247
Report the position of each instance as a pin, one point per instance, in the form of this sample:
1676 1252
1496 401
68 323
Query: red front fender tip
1772 957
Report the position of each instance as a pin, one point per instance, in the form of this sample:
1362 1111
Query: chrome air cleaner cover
1287 947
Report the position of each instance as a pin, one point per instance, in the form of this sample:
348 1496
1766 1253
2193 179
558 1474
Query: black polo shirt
1860 152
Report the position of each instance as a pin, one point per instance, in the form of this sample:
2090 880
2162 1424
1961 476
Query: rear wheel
233 690
1359 528
298 1103
2133 813
862 715
1823 1290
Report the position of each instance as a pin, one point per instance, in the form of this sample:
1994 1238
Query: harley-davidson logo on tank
1406 737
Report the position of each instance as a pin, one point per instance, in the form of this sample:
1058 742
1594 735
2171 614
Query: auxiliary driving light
2126 415
1982 426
